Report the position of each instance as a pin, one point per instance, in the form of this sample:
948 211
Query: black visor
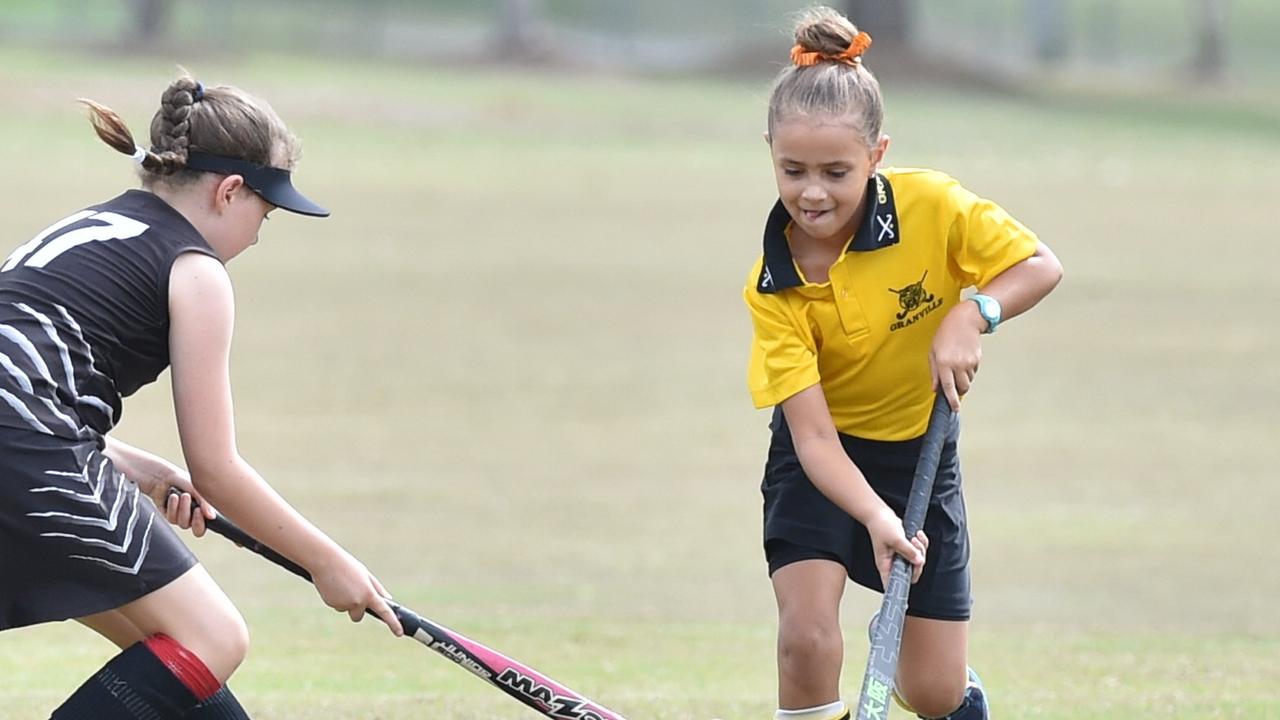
273 184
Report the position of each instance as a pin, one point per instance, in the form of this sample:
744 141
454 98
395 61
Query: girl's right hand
889 539
346 585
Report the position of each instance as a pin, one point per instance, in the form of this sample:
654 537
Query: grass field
508 373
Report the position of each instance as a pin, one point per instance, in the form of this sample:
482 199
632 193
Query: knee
933 697
806 641
230 640
220 640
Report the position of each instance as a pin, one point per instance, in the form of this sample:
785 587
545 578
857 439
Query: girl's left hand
956 352
184 508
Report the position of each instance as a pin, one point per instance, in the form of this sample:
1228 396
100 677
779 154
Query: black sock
134 685
222 706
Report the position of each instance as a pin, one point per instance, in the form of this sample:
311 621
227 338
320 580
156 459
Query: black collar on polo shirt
879 229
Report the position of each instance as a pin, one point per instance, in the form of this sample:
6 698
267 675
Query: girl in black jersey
94 307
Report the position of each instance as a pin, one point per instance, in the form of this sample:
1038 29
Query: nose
814 193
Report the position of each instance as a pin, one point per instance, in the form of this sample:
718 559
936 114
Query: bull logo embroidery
912 297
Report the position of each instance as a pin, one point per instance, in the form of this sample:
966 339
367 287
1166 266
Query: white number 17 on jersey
114 227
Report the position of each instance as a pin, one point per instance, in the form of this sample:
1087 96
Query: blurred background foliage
1103 41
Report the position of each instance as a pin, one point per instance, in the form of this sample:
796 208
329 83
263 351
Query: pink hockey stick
514 678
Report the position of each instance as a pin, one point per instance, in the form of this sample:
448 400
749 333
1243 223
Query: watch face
989 309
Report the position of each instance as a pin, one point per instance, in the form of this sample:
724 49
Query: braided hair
219 120
171 127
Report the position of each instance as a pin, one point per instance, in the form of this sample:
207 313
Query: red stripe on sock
189 669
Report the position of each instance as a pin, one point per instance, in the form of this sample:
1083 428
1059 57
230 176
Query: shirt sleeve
784 357
984 240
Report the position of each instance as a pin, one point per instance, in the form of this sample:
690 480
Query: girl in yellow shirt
858 321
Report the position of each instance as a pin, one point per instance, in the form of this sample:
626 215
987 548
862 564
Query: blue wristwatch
989 309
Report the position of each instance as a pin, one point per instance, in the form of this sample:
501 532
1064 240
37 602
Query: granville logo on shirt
915 301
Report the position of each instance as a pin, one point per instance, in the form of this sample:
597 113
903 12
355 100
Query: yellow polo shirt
865 334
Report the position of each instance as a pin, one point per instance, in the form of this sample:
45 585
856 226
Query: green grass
509 374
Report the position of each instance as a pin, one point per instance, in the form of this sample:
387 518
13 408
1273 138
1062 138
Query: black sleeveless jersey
84 314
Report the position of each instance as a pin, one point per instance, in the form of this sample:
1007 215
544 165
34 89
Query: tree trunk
150 20
1048 22
520 33
1210 18
889 22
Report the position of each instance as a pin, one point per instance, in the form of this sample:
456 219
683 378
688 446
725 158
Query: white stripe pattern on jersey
79 335
128 569
95 497
67 368
12 335
25 383
24 412
122 549
106 524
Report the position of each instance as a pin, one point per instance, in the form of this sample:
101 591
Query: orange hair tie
859 45
803 57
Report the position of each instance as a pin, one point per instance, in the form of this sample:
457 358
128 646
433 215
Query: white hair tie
139 154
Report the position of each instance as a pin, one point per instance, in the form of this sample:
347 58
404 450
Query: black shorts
800 523
76 537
